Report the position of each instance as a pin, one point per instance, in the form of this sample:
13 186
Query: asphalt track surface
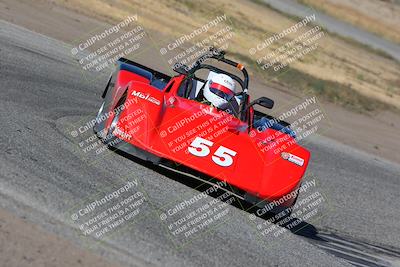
44 174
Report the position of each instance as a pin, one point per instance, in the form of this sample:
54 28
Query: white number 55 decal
223 157
200 147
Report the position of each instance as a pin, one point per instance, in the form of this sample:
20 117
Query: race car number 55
200 147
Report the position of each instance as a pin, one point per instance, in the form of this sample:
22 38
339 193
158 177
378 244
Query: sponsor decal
146 96
292 158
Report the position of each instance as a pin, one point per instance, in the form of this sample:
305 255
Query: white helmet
219 90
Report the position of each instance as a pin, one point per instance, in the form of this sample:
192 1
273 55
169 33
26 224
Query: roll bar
220 56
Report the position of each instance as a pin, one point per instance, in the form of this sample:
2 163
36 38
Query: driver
219 92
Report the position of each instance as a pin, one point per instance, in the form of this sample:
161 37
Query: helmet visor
221 91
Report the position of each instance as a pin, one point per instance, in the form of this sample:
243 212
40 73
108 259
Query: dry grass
379 17
361 72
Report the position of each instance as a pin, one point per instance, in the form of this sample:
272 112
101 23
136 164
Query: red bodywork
165 124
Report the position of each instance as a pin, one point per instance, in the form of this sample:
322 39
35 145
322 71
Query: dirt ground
379 17
369 73
25 245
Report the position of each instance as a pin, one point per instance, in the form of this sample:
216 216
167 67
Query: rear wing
258 114
157 79
272 122
149 73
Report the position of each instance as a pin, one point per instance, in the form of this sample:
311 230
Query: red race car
205 127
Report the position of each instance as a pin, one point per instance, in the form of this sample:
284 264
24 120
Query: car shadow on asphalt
301 228
355 252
